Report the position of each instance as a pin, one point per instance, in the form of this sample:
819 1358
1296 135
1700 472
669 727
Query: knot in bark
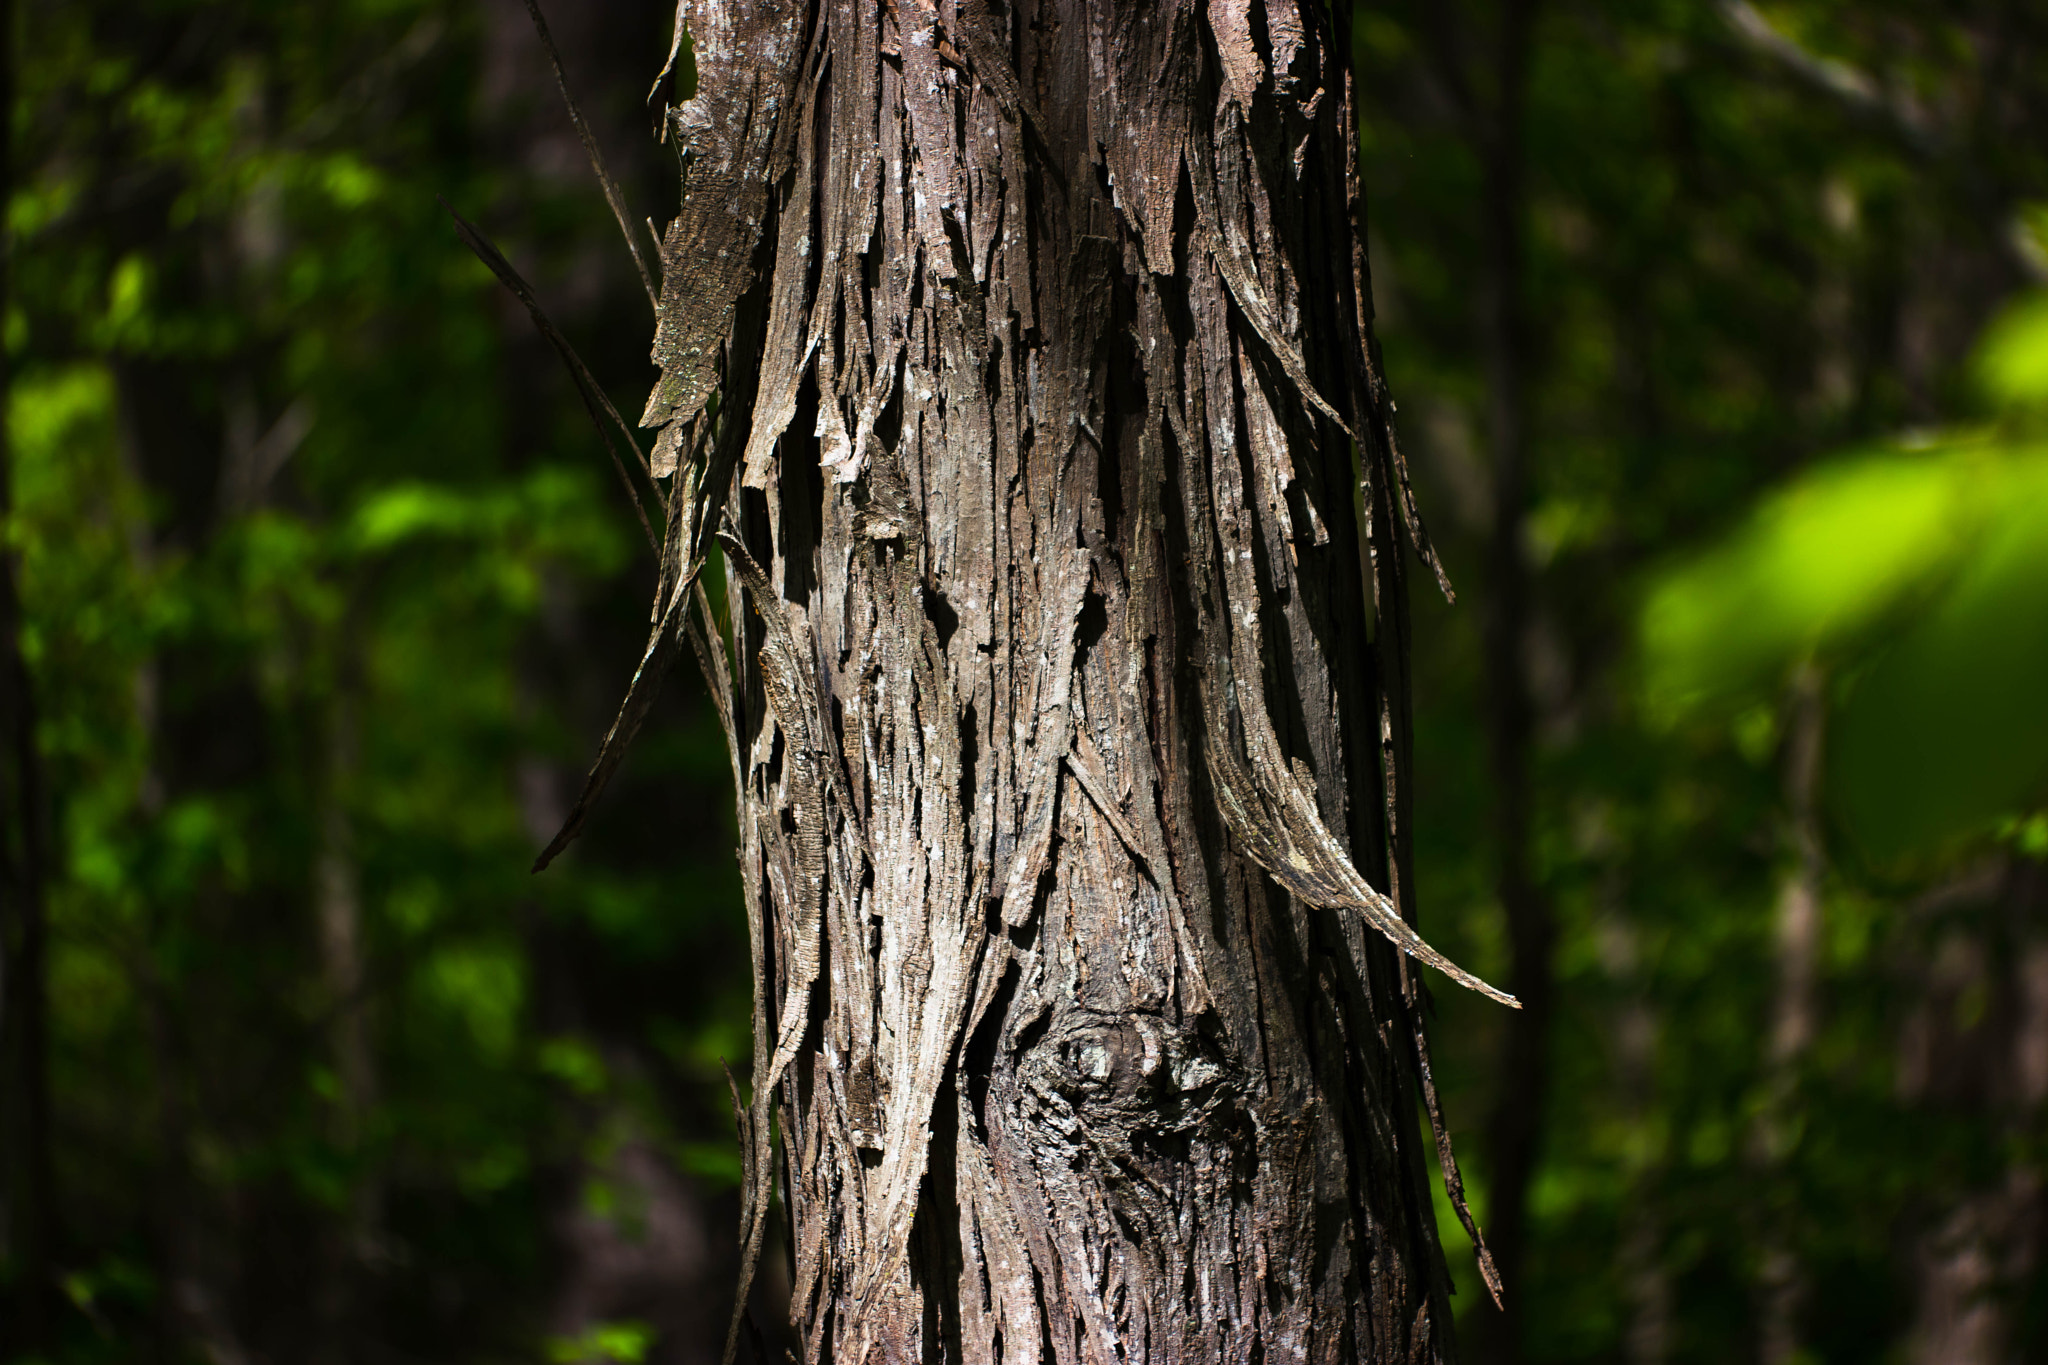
1111 1074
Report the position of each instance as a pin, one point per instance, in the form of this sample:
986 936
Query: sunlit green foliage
1919 576
625 1343
1759 439
328 594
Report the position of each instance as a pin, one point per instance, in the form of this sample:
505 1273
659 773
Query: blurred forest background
1722 351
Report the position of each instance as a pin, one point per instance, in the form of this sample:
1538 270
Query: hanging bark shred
1059 685
613 199
594 401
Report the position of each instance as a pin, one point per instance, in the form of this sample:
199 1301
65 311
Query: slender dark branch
594 400
1447 1160
612 196
346 106
1894 114
1836 79
1447 51
1411 512
654 668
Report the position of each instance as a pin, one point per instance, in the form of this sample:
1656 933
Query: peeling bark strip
1065 693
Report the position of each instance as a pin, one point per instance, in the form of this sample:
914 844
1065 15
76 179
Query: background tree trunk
27 1181
1782 1282
1976 1045
1522 1091
1065 686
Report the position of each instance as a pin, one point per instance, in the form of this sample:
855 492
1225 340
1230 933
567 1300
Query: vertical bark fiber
1065 691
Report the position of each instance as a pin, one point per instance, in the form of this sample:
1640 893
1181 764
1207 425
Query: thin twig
594 400
611 188
1447 1159
1857 89
1894 112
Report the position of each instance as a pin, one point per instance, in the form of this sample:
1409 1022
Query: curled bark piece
677 37
1261 799
728 135
1281 831
786 667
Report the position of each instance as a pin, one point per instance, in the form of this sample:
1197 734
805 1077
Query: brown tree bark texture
1065 688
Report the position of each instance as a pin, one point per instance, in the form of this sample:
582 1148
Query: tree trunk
27 1169
344 1310
1065 690
1978 1250
1782 1277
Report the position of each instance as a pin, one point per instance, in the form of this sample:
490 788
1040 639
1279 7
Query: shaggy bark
1065 686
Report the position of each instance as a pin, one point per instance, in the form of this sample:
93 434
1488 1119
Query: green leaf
2012 359
1947 731
1811 571
605 1343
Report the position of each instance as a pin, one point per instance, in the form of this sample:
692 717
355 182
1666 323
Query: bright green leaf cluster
1918 577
